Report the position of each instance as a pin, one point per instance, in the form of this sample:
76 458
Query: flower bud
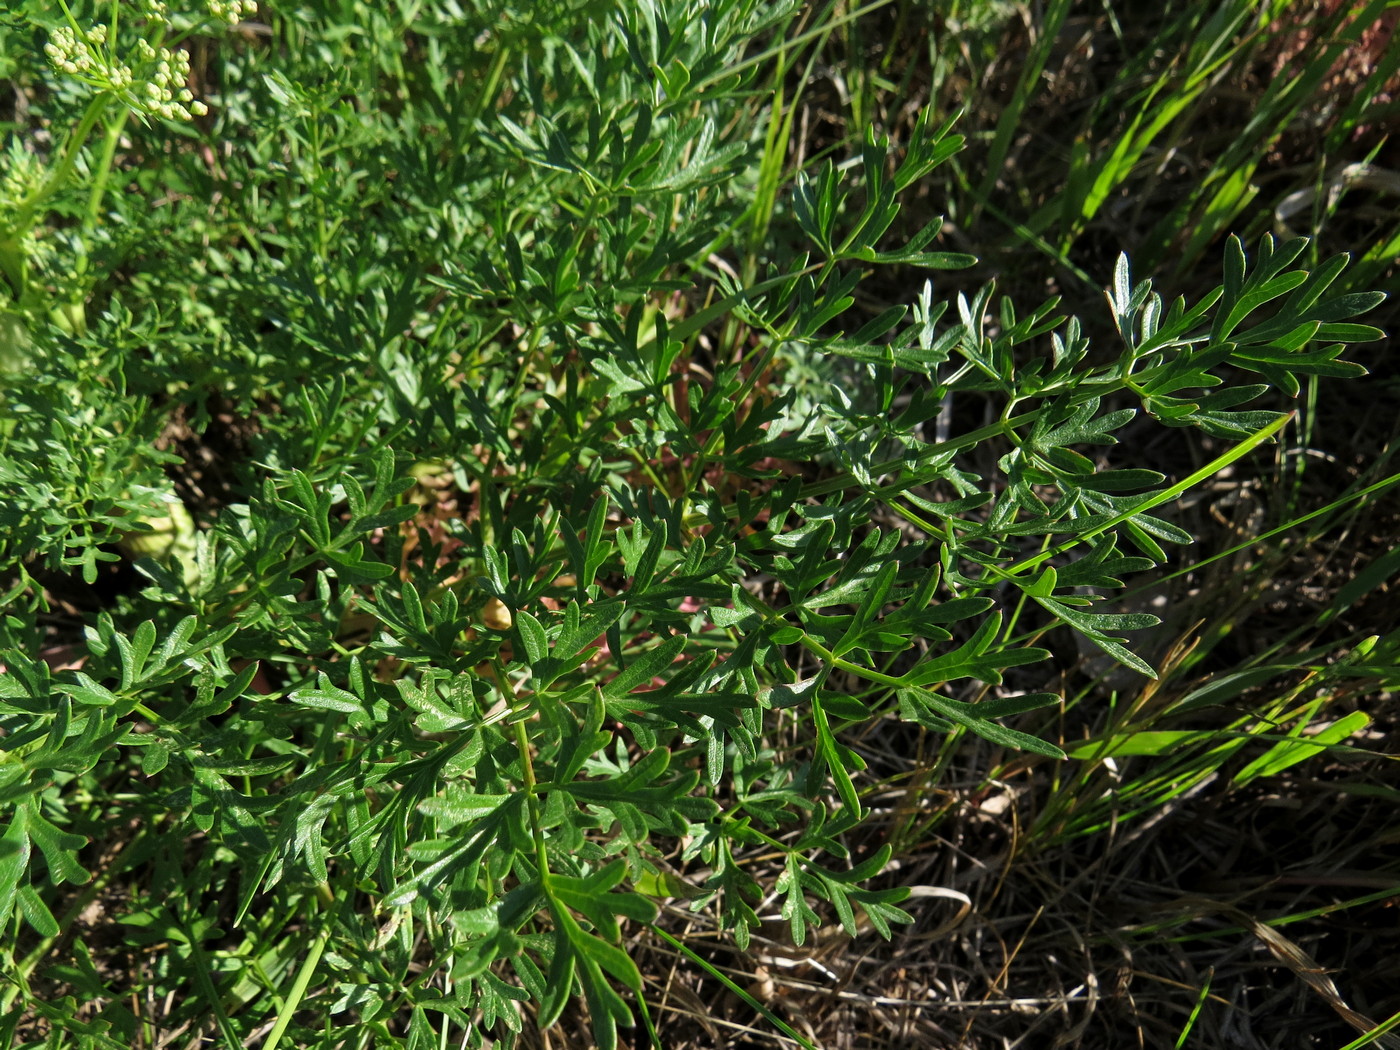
496 616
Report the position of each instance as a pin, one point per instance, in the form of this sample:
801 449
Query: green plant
128 64
80 472
538 595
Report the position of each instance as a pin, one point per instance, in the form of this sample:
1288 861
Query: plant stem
307 971
58 176
111 138
532 802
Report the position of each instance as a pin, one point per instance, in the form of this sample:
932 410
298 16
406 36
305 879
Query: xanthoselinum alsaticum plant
117 60
483 649
79 470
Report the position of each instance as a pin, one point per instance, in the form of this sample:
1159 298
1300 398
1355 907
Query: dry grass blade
1290 955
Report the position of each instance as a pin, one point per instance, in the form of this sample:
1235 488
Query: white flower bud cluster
156 86
232 11
77 57
164 93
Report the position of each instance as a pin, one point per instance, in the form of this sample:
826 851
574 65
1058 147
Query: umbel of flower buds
232 11
150 80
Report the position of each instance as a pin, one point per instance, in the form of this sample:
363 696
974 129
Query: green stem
72 147
522 746
532 803
104 167
307 971
488 89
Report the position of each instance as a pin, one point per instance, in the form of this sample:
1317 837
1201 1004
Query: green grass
522 522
